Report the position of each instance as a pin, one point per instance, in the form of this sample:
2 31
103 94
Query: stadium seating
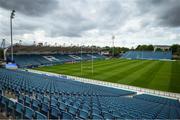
35 60
47 97
157 99
147 55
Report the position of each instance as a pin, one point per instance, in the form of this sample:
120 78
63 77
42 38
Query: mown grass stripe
124 75
143 80
103 71
161 80
174 85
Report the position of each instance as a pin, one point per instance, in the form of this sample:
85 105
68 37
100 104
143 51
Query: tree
145 48
159 49
117 50
175 49
1 53
150 48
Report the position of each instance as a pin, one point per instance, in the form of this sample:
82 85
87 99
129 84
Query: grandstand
38 96
36 56
35 60
149 55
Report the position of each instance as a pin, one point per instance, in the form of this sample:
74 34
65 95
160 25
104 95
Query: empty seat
76 105
45 108
19 110
46 100
1 90
35 105
62 106
11 107
54 102
27 101
73 110
21 99
83 114
3 104
29 113
40 116
97 117
108 116
86 108
39 97
65 115
55 113
96 112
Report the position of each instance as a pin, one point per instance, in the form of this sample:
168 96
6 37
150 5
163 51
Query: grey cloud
30 7
166 12
171 16
111 15
71 18
70 29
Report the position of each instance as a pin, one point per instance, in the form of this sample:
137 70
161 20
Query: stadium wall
139 90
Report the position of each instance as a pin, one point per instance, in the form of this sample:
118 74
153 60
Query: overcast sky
88 22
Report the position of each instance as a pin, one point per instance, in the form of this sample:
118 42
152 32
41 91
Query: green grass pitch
153 74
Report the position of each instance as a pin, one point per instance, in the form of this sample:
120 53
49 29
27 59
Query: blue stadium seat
44 108
96 112
39 97
29 113
35 105
73 111
1 90
53 102
19 110
108 116
97 117
83 114
62 106
40 116
27 101
46 100
65 115
4 103
11 108
21 98
55 113
86 108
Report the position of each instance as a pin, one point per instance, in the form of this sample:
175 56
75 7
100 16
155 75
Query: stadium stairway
46 97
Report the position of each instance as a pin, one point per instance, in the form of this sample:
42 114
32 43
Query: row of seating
35 60
158 99
126 108
40 96
147 55
29 83
20 111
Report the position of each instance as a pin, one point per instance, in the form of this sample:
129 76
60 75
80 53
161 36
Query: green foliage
117 50
1 53
175 49
160 75
145 48
159 49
